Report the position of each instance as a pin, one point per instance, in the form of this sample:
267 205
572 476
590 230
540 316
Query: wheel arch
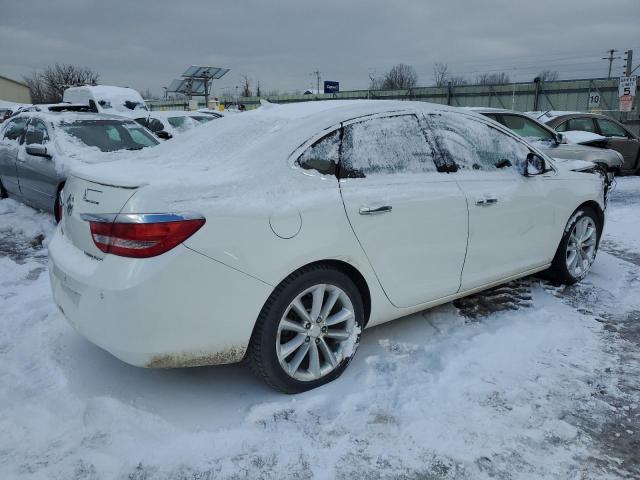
350 271
595 206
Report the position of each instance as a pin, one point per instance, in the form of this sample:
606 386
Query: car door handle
375 210
486 202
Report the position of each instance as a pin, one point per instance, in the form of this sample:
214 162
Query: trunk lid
83 196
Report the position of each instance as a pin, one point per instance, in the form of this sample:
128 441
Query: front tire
578 247
308 330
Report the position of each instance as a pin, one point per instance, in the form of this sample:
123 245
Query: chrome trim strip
140 217
102 217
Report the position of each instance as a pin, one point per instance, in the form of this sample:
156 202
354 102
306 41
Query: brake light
142 236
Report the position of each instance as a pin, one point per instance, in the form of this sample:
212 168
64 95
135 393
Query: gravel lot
526 381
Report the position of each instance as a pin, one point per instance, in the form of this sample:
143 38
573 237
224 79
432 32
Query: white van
107 99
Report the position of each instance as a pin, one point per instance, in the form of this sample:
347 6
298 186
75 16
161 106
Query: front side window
611 129
527 128
322 155
15 128
580 125
386 145
468 144
109 135
36 133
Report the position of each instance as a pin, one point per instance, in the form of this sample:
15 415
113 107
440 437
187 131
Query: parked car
38 148
618 137
168 124
279 234
107 99
551 142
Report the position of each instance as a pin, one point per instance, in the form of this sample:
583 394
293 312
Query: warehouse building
14 91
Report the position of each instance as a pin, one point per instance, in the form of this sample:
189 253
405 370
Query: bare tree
457 80
440 74
400 77
148 95
549 75
49 85
258 92
246 87
500 78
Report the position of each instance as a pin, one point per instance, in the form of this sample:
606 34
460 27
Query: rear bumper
178 309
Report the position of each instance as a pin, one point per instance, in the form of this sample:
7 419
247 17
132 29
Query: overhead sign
331 87
627 92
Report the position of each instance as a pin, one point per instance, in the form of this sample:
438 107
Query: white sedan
276 236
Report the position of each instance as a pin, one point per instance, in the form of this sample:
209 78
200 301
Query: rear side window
386 145
15 128
322 155
610 129
468 144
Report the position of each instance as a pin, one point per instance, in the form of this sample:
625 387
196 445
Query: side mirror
560 138
535 165
164 135
38 151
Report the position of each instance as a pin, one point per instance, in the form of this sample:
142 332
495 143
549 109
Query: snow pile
434 395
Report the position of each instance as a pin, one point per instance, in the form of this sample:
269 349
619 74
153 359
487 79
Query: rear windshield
182 124
110 135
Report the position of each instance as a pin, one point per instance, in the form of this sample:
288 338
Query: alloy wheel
316 333
581 248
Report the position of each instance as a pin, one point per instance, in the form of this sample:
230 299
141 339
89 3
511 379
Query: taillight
142 235
59 207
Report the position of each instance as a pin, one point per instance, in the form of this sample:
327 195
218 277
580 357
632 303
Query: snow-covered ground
527 381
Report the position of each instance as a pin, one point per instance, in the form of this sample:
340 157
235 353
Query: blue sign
331 87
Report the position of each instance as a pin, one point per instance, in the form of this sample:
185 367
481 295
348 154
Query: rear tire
578 247
308 330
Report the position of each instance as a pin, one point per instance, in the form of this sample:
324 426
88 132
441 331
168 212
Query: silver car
551 142
38 148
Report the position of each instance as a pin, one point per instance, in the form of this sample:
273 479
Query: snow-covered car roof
173 113
258 141
66 116
546 116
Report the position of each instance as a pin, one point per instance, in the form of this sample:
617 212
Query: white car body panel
198 303
421 241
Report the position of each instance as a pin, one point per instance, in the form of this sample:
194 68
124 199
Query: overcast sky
147 43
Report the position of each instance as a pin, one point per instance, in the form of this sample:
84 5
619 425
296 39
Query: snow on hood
567 164
576 136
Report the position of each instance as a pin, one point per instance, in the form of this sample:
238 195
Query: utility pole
629 60
611 58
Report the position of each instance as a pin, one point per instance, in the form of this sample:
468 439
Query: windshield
110 135
527 128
